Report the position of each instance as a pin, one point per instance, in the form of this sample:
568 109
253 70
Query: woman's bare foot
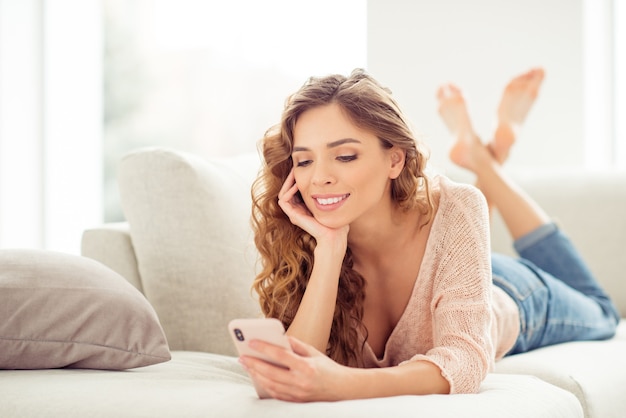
468 151
517 99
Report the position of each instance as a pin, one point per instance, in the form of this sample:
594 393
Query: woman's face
342 171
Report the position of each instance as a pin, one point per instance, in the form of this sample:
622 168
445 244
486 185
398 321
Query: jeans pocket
519 280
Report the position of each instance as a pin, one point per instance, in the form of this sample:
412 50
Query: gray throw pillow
61 310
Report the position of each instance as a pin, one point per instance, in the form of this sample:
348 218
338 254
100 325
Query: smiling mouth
331 200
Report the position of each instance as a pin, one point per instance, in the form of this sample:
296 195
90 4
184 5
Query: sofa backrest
190 228
589 207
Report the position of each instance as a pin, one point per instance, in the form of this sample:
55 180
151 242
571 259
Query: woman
382 274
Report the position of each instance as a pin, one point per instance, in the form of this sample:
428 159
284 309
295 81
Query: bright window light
210 77
296 37
619 49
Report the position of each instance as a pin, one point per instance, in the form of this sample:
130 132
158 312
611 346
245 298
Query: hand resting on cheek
302 217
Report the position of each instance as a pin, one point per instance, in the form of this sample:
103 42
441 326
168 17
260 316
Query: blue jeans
558 297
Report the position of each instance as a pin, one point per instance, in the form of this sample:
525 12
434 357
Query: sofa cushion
190 228
202 384
61 310
594 371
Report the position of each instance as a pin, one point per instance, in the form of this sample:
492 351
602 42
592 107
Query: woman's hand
311 376
300 215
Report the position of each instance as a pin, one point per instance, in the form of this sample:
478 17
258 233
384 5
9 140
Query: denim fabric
558 297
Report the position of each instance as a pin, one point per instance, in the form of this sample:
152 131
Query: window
209 77
50 122
204 76
605 83
619 48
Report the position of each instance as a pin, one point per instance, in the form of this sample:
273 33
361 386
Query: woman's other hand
311 376
299 214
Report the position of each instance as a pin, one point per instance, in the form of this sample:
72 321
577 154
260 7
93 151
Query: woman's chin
331 223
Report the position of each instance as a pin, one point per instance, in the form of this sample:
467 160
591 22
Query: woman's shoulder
450 192
459 204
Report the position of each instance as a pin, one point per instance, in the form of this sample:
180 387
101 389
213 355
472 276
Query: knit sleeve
461 302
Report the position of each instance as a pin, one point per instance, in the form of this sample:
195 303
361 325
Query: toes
443 92
529 81
448 91
537 77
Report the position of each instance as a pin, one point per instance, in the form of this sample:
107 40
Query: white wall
414 46
50 122
72 121
50 93
21 124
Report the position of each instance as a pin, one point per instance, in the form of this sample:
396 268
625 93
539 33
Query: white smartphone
271 330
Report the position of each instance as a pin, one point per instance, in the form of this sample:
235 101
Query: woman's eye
303 163
346 158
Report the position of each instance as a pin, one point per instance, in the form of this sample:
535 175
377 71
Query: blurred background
83 82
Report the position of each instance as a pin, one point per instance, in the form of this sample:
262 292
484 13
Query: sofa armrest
111 245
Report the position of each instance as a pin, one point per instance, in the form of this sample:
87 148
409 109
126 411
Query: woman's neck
376 239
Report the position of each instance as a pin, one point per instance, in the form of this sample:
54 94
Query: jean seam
512 290
535 236
580 324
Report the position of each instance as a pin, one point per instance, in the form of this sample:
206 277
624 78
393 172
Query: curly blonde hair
286 250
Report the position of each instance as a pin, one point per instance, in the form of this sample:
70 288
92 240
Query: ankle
503 139
485 167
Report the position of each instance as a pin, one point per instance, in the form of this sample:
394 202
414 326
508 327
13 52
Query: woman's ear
397 162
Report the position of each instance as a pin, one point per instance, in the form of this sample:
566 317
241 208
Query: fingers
301 348
286 196
287 191
272 373
293 383
293 207
276 381
276 389
276 354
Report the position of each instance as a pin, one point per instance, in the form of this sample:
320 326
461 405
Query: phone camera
238 334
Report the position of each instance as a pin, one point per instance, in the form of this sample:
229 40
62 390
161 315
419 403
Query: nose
322 174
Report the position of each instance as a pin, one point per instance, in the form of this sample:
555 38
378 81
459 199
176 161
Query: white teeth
330 200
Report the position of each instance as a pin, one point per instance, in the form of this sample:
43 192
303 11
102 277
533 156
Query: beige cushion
61 310
594 371
190 228
207 385
589 207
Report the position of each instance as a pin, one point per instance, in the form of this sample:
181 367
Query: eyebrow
331 144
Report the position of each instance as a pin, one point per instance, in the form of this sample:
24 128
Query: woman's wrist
414 378
333 248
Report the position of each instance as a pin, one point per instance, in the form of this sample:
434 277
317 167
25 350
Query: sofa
186 259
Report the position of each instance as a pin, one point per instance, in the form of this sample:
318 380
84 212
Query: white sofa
187 246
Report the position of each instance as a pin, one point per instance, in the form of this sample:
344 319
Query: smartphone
270 330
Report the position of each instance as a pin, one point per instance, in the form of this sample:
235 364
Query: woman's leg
551 312
558 297
520 213
535 237
517 99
